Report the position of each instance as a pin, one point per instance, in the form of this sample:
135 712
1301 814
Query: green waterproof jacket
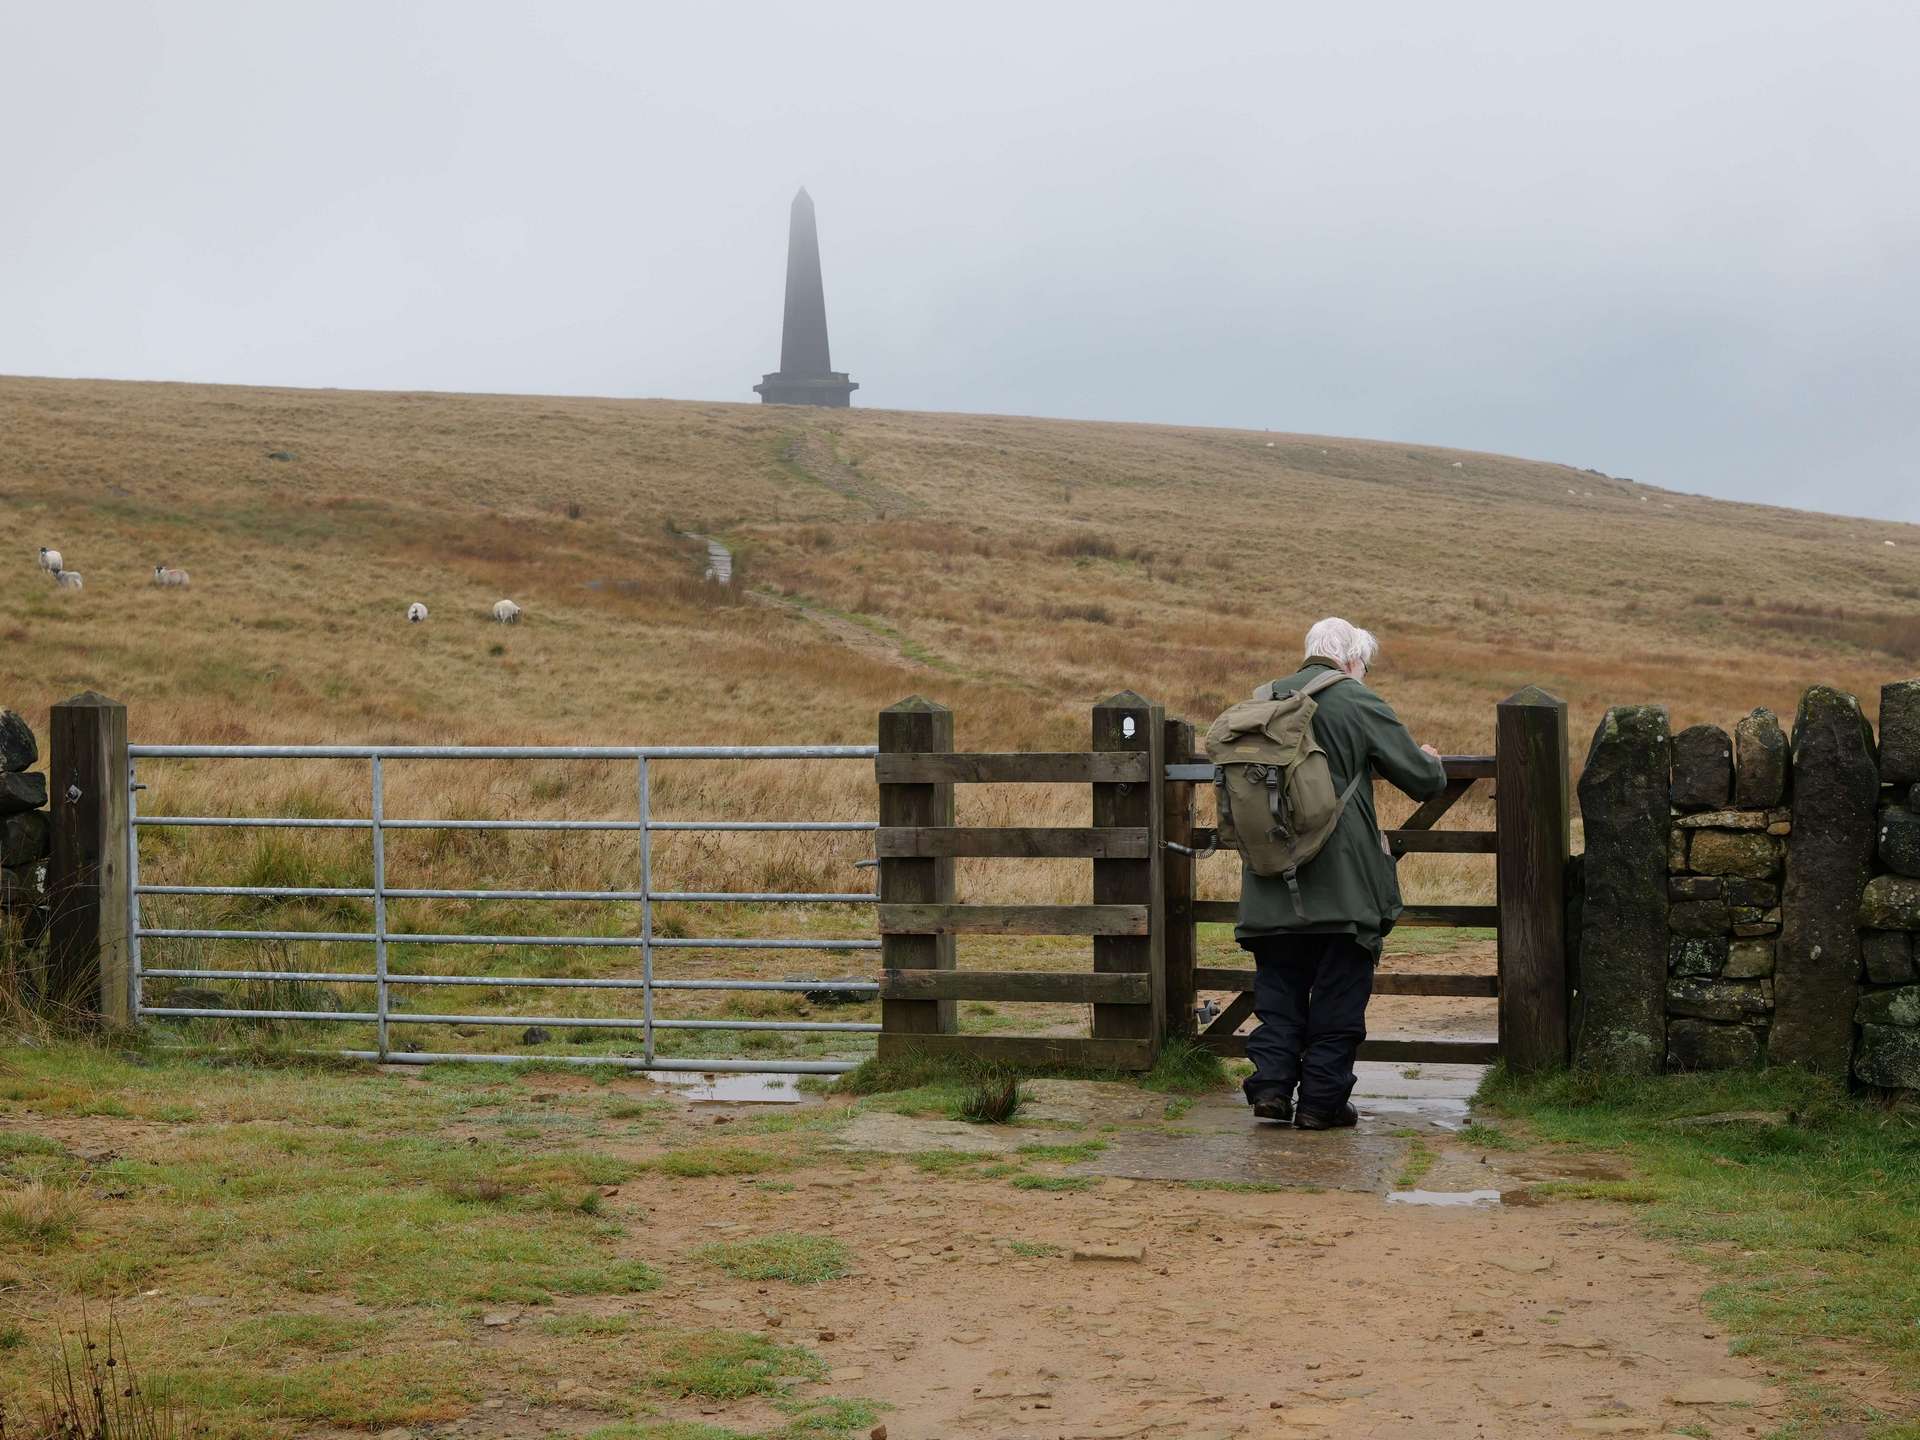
1350 887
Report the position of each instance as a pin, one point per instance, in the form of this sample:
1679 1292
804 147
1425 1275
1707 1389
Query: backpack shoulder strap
1266 691
1324 682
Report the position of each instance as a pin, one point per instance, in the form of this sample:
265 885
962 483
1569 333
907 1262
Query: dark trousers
1310 993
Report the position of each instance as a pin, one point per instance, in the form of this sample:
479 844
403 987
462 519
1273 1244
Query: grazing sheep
506 612
50 560
169 578
416 612
69 580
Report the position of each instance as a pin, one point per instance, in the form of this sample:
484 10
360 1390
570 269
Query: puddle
708 1085
1443 1198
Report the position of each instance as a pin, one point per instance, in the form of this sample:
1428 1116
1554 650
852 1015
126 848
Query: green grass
1414 1168
1489 1137
1035 1250
1074 1153
1051 1182
1240 1187
729 1365
1812 1225
798 1259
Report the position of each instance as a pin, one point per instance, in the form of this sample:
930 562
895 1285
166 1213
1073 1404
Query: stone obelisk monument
806 375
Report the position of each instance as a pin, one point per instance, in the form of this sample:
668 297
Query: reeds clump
94 1394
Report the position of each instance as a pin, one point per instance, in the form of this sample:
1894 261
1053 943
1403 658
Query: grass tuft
991 1102
730 1365
41 1215
798 1259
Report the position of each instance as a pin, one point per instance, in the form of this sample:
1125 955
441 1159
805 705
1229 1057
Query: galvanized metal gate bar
383 937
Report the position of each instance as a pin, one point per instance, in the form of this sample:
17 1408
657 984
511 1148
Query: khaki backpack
1272 782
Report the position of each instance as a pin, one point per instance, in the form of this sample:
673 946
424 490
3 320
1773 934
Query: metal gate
386 977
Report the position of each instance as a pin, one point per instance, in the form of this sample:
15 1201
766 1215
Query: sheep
506 612
69 580
169 578
50 560
416 612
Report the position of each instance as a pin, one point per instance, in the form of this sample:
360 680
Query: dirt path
1240 1314
855 636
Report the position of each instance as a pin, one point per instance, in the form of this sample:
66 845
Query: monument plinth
806 375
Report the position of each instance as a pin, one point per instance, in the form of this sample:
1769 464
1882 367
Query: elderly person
1314 953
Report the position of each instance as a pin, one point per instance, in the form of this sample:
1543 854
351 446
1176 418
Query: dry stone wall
26 837
1753 897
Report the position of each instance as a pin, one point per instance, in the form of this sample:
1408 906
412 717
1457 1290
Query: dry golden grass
1017 570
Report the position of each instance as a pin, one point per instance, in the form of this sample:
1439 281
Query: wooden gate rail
919 915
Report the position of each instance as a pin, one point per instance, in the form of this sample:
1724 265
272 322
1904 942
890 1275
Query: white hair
1342 642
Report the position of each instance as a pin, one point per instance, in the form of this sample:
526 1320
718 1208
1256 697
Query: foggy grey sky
1677 242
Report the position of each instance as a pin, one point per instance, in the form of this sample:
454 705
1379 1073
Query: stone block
1677 851
1900 841
1703 1045
26 838
1890 902
1726 820
1728 852
1749 960
1900 732
1756 922
1702 768
1898 1006
18 748
1727 1000
1889 1055
1701 957
22 791
1764 893
18 892
1696 887
1836 792
1888 955
1759 760
1913 797
1620 1021
1699 917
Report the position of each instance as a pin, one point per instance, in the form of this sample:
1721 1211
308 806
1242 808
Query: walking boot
1343 1118
1277 1106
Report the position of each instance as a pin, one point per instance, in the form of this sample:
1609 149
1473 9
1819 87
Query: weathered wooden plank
1129 724
1042 986
1236 1013
1430 811
1036 1051
1405 1052
1442 842
916 725
1019 842
1013 920
1385 982
1069 767
1414 917
1176 886
1535 819
89 933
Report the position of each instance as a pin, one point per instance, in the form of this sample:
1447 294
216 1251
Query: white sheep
416 612
50 560
169 578
506 612
69 580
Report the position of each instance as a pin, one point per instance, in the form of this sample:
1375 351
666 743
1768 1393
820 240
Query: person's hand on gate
1428 749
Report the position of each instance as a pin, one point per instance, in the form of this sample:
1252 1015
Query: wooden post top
90 699
916 705
1125 700
1533 697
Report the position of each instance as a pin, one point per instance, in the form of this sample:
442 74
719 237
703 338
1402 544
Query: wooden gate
1144 917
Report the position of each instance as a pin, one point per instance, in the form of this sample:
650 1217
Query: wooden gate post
1535 819
88 940
1129 722
916 726
1176 876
